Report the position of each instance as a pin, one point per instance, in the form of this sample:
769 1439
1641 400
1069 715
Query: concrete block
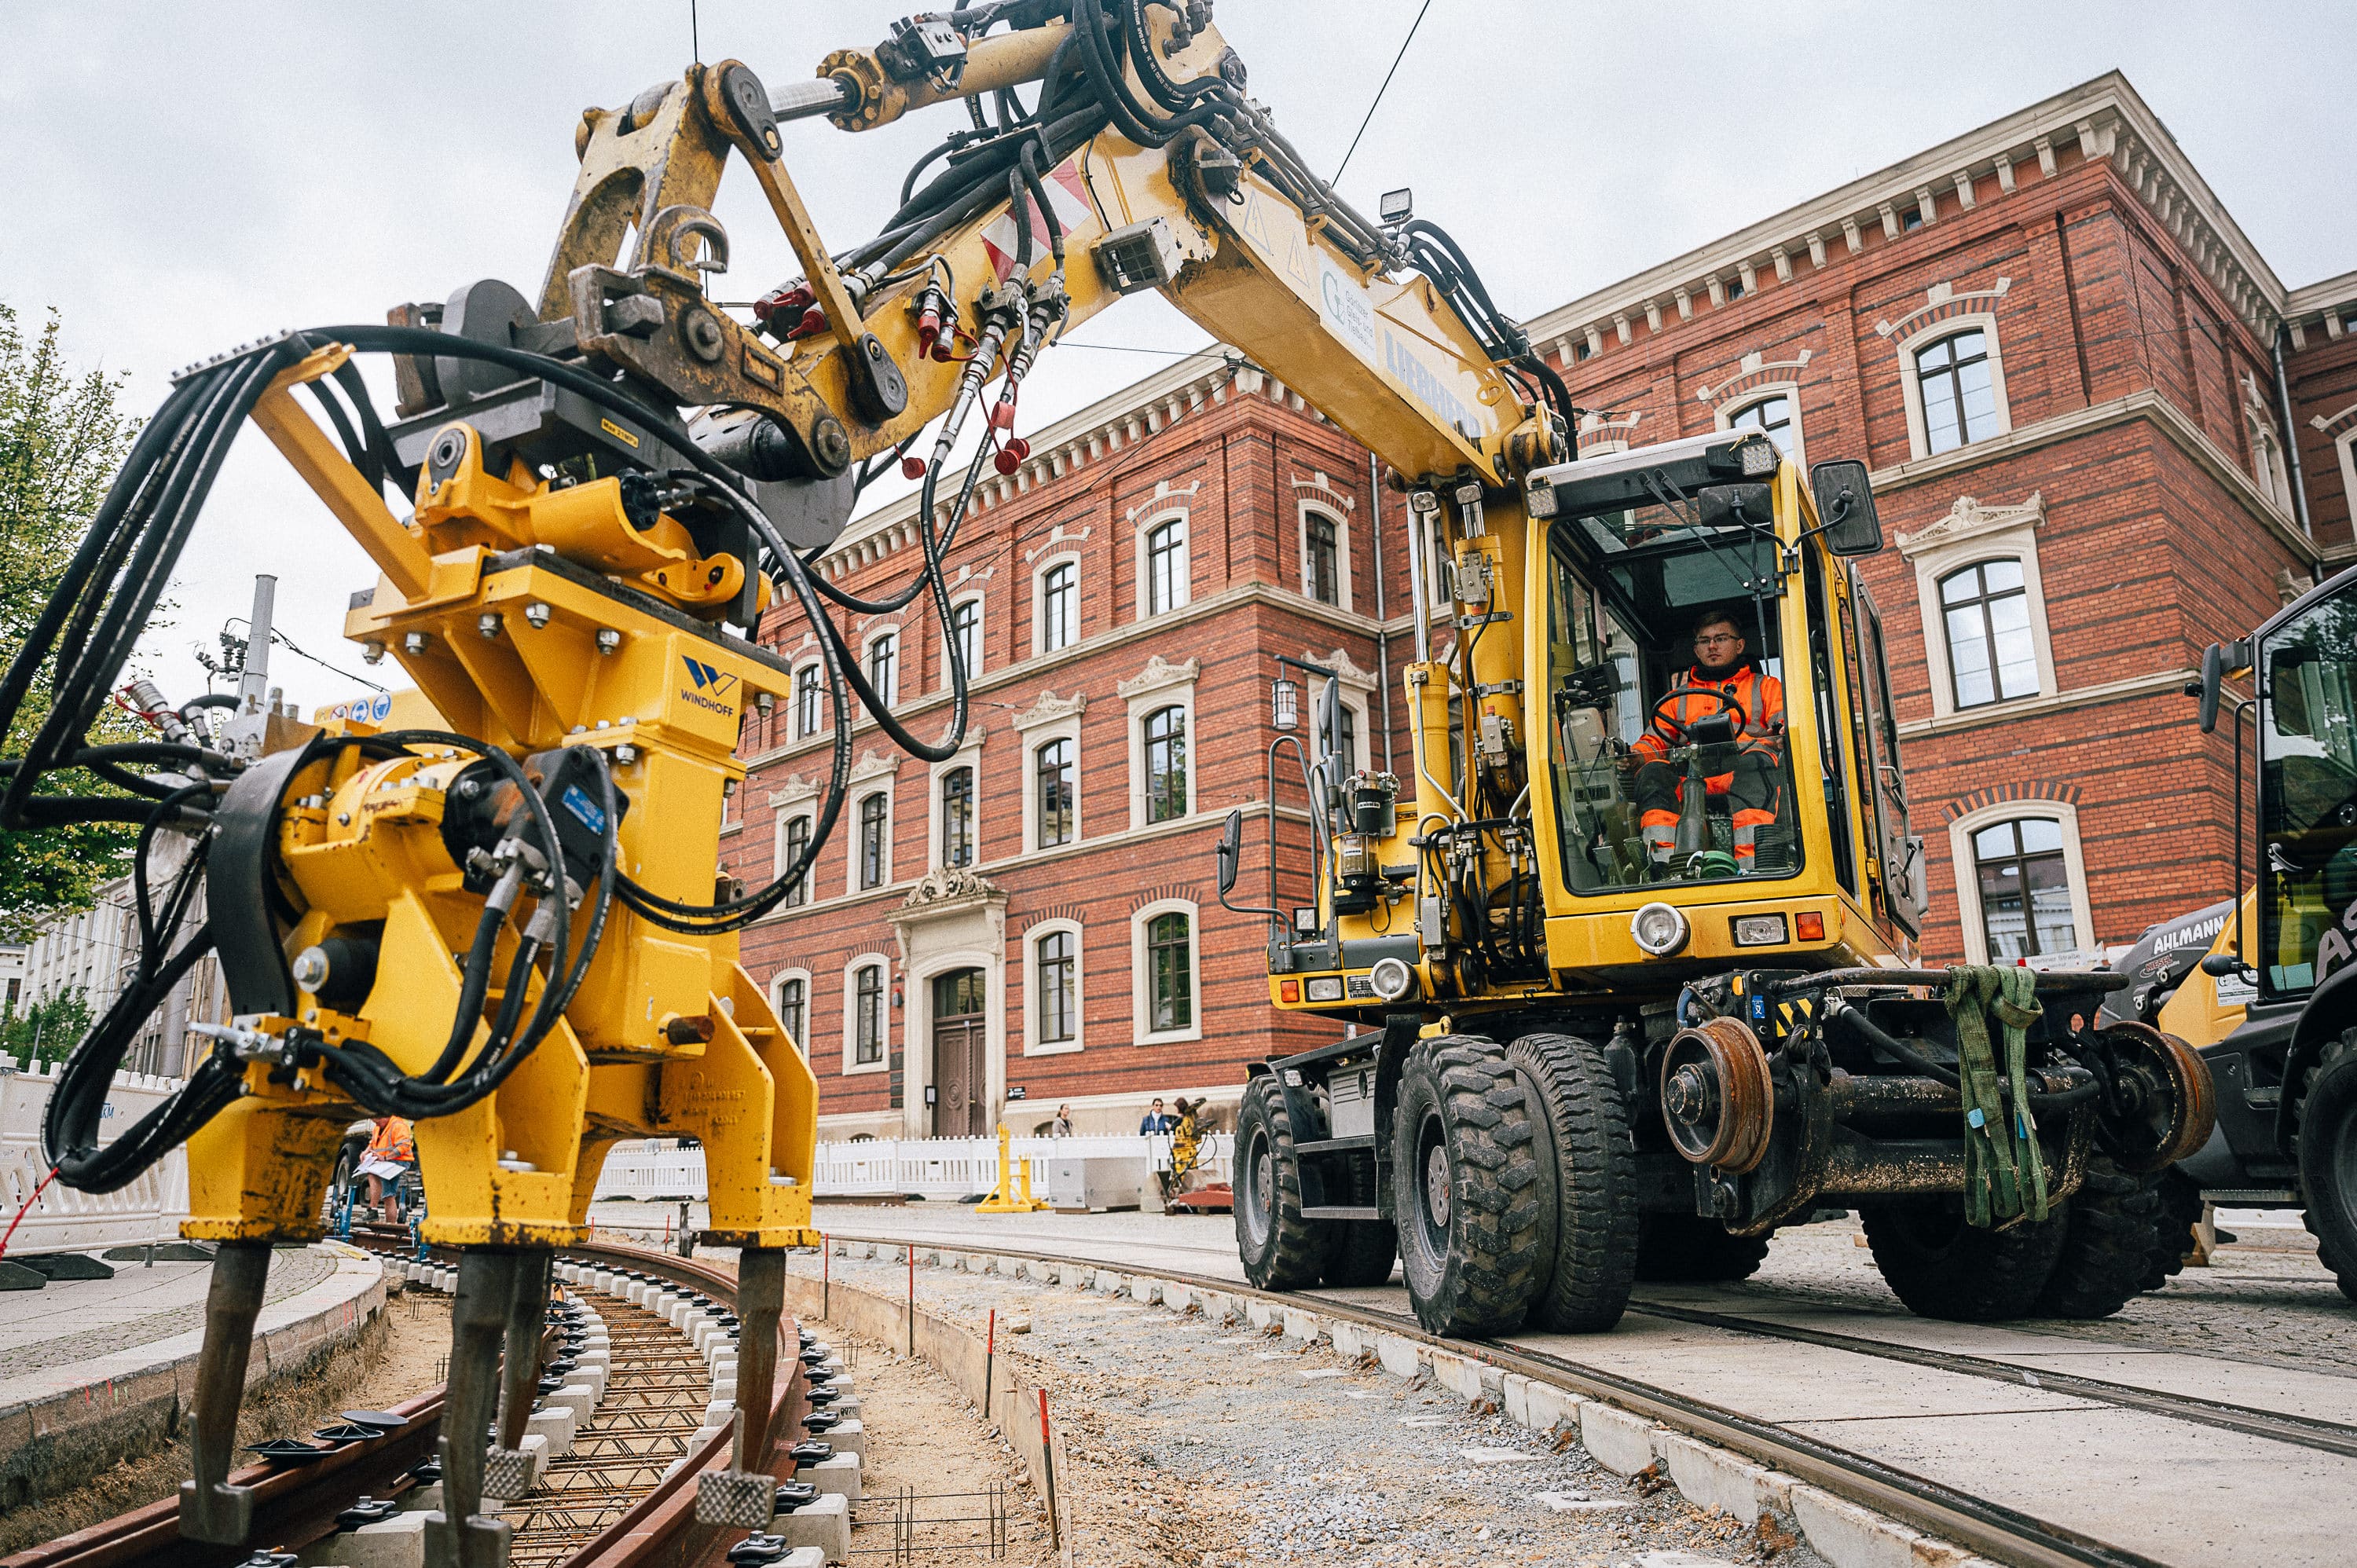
1146 1290
422 1499
802 1557
1260 1313
720 1413
703 1434
839 1476
1621 1442
1514 1398
1848 1536
555 1425
1550 1406
847 1407
851 1437
603 1360
1351 1340
594 1379
825 1524
1305 1326
1711 1477
1216 1304
1458 1374
579 1398
1398 1355
395 1543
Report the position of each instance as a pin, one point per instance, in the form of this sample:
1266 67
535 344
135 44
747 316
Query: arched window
884 668
957 816
1166 566
810 701
1991 653
1166 764
1959 402
867 1015
797 838
1055 981
793 1009
1321 561
1060 606
875 841
1052 769
1170 972
1772 414
2025 889
966 638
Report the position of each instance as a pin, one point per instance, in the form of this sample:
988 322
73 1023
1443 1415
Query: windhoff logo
708 680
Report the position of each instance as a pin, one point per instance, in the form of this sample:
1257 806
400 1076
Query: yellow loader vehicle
1630 956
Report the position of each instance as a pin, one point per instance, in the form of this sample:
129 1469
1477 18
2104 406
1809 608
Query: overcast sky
182 178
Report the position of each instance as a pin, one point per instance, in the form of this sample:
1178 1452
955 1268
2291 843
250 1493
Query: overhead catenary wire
1377 102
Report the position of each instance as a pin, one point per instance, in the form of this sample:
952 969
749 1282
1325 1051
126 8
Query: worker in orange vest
392 1152
1752 780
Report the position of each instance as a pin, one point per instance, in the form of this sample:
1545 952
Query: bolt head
626 754
412 643
372 653
608 640
487 623
537 613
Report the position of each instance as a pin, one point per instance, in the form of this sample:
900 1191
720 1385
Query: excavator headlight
1660 929
1392 979
1760 458
1539 500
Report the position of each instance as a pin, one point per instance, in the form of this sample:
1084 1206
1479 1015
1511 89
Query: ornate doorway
960 1061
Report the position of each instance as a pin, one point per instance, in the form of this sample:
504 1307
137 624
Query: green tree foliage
63 436
46 1031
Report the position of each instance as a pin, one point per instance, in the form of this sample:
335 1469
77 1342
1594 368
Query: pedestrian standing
1061 1127
1157 1121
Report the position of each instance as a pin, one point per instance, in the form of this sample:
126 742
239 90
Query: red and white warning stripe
1069 196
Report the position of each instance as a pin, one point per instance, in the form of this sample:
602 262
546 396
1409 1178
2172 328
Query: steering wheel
1727 704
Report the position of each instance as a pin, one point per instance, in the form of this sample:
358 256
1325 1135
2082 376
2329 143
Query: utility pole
247 728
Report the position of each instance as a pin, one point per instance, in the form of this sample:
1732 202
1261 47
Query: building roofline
2106 116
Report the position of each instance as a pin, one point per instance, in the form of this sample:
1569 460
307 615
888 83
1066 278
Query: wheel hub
1436 1185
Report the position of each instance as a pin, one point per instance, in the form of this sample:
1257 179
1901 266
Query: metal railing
64 1220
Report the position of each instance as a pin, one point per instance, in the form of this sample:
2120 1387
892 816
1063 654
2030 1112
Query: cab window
1666 708
2308 797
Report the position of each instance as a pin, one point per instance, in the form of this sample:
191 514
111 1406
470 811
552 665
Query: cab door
1904 872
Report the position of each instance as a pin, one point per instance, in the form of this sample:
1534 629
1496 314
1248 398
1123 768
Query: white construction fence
64 1220
940 1169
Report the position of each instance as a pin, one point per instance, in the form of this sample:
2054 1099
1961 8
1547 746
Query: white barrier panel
64 1220
941 1169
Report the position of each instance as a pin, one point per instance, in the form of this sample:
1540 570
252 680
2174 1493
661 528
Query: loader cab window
1667 696
2308 797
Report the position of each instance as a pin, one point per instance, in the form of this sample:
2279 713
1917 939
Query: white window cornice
1049 708
1967 870
1972 532
1159 676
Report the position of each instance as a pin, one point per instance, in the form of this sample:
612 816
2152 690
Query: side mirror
1232 847
2213 676
1845 506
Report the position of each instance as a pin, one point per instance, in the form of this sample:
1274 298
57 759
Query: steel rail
1993 1530
295 1506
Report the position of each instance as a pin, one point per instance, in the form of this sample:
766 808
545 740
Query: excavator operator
1749 773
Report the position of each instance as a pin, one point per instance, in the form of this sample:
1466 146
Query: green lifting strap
2005 1170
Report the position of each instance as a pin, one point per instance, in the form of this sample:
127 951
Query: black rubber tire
1466 1189
1279 1248
2110 1232
1588 1206
348 1159
1689 1250
2172 1236
1359 1252
1940 1267
2328 1161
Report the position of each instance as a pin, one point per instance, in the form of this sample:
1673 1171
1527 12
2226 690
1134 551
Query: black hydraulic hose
1025 159
1872 1034
69 1124
474 983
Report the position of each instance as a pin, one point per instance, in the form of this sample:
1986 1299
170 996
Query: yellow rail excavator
1612 896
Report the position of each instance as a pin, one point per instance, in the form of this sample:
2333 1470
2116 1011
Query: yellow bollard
1002 1198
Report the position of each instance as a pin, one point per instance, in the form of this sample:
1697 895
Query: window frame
855 860
1965 865
1041 646
1968 535
1037 805
964 765
1162 684
1339 520
815 670
799 894
886 638
1141 922
1910 380
1176 522
777 983
1035 1043
852 970
975 665
1177 739
1735 407
1983 600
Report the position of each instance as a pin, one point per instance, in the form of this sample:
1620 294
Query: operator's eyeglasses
1712 638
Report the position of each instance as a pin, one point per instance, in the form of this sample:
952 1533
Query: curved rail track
1995 1531
605 1505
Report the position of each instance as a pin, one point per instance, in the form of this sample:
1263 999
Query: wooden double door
961 1077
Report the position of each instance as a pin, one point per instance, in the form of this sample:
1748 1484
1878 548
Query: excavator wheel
1359 1252
1942 1267
1588 1217
2109 1234
1692 1250
2172 1240
2328 1159
1465 1188
1280 1250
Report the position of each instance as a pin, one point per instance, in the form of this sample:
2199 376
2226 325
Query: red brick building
2048 341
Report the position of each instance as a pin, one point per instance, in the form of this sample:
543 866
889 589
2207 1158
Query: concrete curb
1705 1474
65 1424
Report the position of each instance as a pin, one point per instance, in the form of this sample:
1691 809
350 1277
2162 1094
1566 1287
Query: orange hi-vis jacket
1761 698
392 1141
